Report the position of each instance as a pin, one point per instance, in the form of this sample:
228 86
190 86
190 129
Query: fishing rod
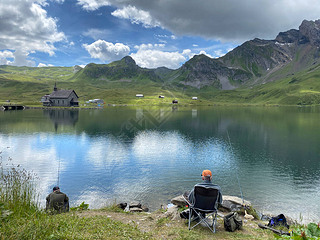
231 148
59 171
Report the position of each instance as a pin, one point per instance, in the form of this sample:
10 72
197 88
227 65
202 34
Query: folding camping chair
205 205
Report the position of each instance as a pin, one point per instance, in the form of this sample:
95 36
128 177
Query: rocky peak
76 68
311 31
290 36
129 61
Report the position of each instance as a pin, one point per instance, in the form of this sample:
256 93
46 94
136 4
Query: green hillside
27 85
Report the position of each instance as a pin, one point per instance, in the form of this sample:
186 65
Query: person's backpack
279 220
232 222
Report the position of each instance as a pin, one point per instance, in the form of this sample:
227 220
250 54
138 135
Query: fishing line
237 170
59 171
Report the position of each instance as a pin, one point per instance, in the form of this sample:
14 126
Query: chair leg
190 213
204 220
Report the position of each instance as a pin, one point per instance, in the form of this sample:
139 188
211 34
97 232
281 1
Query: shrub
17 191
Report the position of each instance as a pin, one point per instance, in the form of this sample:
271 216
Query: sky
155 33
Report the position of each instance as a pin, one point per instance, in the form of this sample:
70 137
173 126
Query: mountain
124 70
285 70
253 63
256 61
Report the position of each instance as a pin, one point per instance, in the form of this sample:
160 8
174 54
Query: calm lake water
154 154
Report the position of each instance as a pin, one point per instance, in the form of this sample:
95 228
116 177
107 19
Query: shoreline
161 105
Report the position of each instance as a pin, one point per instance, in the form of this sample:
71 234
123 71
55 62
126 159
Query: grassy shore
22 218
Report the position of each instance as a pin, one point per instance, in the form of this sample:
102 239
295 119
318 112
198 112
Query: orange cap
206 173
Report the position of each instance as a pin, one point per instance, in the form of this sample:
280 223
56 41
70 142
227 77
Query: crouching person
57 201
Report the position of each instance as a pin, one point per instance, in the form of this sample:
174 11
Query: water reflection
62 117
151 155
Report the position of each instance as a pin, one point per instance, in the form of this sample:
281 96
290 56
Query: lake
122 154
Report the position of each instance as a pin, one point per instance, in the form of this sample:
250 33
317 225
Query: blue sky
154 33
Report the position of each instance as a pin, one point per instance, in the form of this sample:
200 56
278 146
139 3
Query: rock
232 204
76 68
172 213
135 209
145 208
248 216
122 205
290 36
311 30
236 200
179 201
229 206
135 205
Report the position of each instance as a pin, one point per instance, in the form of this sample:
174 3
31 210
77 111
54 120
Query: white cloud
4 55
152 56
106 51
92 5
45 65
25 27
18 58
188 53
219 53
230 20
173 37
96 34
207 54
149 46
21 59
136 16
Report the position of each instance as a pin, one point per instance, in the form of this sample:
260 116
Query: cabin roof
62 94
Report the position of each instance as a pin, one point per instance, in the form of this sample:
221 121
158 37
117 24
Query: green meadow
27 85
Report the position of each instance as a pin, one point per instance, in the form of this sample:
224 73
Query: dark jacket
206 183
57 202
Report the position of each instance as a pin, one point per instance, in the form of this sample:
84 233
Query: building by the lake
60 98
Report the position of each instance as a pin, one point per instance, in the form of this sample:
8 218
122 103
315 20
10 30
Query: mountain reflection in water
153 154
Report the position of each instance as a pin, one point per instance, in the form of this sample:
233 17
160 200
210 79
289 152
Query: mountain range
253 63
285 70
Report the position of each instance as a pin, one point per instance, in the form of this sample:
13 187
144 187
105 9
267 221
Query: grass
23 85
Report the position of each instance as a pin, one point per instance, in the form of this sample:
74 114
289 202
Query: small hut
61 98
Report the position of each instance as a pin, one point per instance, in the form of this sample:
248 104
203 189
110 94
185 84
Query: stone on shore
135 209
179 201
232 204
172 212
135 205
145 208
122 205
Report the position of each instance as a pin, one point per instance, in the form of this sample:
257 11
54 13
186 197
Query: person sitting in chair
57 201
207 178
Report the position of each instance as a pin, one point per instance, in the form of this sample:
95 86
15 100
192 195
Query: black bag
232 222
185 214
279 220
